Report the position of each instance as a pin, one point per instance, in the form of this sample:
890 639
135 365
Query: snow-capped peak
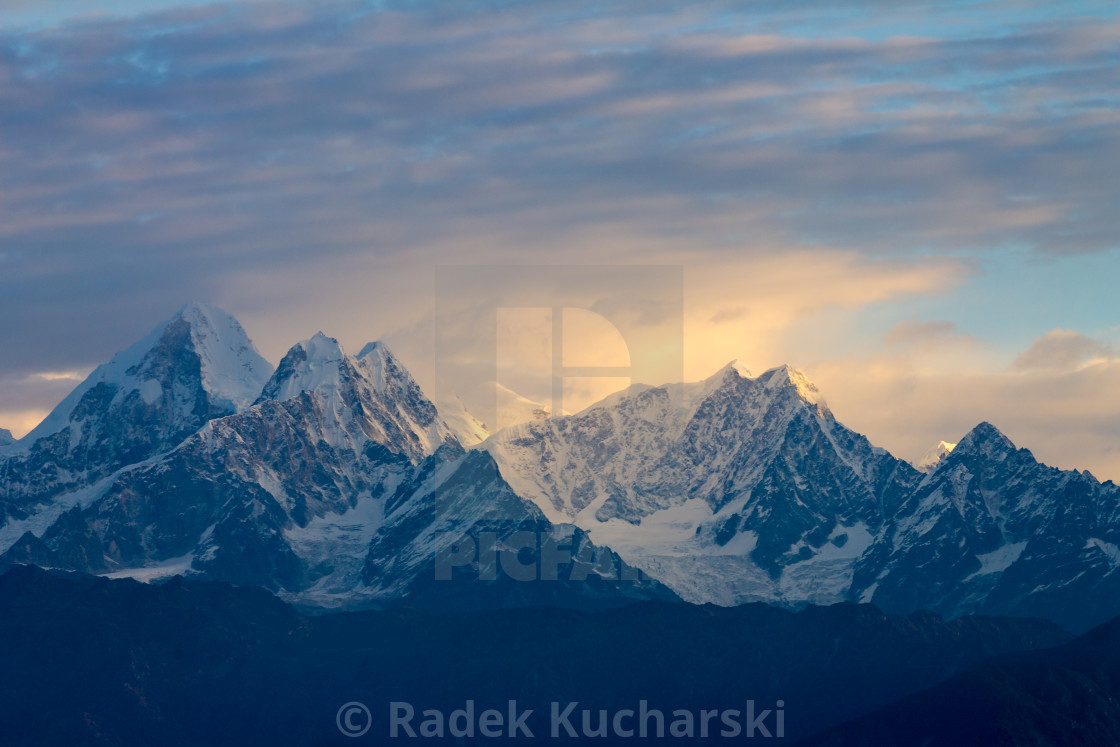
385 371
320 364
375 348
6 438
510 409
739 368
368 396
389 376
467 428
514 408
933 457
202 314
231 370
735 368
310 365
787 376
322 349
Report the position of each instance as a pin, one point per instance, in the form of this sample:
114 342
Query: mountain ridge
734 488
196 366
318 491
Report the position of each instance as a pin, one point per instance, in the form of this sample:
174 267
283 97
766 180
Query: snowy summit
933 457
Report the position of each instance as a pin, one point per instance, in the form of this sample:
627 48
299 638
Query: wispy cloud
1063 350
1063 410
306 163
28 398
914 332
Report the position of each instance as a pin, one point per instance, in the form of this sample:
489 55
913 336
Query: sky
914 203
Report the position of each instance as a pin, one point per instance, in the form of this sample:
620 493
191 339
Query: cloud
912 331
1067 418
796 306
308 165
1063 350
21 422
28 399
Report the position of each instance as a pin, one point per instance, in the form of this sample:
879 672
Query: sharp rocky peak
201 314
388 374
984 439
934 456
199 347
735 369
309 365
233 372
320 347
320 365
384 368
788 377
775 379
376 350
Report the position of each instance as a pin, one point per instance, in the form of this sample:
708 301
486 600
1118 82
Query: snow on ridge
514 409
310 365
233 372
786 375
511 411
179 566
380 362
322 368
1110 551
688 396
463 424
385 370
739 368
932 458
113 372
999 560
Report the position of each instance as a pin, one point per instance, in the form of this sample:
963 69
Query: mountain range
334 481
742 488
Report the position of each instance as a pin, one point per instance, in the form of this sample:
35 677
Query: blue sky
38 14
914 202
